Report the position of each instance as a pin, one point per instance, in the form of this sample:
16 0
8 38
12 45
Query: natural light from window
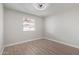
28 24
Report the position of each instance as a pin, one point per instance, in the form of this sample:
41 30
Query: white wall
13 27
64 27
1 28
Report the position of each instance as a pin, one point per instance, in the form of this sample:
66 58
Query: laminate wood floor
40 47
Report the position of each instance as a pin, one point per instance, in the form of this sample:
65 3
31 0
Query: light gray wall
61 27
64 27
1 27
13 27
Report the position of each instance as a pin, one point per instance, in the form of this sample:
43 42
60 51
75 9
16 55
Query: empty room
39 28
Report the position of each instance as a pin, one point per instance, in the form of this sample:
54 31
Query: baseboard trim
41 38
21 42
74 46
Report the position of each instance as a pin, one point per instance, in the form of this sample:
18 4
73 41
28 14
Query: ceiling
53 8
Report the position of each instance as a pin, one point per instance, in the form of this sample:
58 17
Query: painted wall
13 27
1 28
64 27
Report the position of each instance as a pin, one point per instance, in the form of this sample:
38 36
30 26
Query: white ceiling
53 8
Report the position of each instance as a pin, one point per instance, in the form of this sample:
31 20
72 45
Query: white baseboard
41 38
21 42
63 43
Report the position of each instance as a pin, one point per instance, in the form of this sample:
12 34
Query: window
28 24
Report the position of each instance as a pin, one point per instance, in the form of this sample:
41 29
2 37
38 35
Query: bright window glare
28 24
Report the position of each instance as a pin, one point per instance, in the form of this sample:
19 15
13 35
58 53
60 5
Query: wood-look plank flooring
40 47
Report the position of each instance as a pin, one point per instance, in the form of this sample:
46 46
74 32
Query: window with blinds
28 24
